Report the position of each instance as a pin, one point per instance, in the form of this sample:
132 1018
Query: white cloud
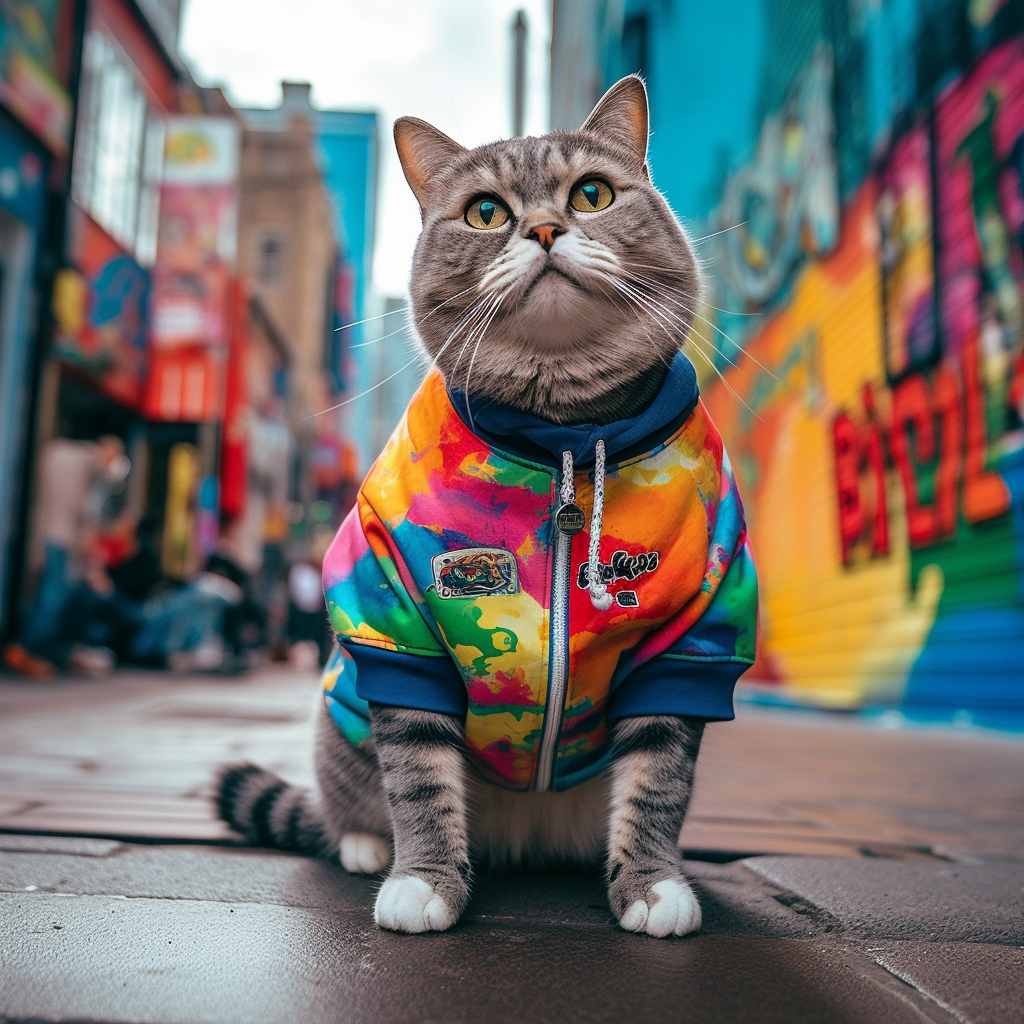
447 61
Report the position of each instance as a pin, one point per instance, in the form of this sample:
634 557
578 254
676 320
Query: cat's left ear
424 152
621 117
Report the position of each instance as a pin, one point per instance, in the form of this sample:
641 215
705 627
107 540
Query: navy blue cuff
676 686
403 680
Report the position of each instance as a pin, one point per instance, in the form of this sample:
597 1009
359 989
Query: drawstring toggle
569 518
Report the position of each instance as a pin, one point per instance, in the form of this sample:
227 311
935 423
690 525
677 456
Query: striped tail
269 811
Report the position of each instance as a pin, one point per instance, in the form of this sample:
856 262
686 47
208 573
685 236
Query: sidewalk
847 873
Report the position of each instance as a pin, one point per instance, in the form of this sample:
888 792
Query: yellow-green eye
486 214
592 196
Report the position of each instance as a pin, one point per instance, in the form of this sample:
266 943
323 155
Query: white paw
363 853
675 912
409 904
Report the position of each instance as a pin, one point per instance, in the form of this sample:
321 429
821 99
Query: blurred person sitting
73 481
245 620
106 609
209 624
309 633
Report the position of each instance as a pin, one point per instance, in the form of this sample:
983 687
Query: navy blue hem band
403 680
671 686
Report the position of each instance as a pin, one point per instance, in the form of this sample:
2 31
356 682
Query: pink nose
546 234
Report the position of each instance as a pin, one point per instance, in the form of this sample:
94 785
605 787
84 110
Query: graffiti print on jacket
475 572
623 566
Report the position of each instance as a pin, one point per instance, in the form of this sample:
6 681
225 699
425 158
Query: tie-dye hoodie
452 589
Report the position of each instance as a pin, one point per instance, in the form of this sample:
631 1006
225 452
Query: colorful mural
875 414
29 78
99 311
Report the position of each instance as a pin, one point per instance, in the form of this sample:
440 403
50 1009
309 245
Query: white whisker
383 337
373 387
671 293
476 348
370 319
715 234
381 383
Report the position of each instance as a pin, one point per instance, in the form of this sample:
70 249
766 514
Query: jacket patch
623 566
475 572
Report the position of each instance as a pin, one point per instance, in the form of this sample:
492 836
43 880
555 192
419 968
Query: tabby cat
545 590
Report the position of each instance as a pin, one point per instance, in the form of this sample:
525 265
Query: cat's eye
591 196
486 214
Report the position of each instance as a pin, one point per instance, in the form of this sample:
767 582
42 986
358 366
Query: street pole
518 72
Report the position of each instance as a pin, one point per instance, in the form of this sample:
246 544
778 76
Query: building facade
172 272
38 75
289 254
346 153
855 172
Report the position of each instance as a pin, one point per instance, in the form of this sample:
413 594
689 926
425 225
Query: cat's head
550 274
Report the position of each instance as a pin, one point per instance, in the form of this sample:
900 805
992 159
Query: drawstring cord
599 596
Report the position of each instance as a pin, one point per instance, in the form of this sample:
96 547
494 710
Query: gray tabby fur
578 333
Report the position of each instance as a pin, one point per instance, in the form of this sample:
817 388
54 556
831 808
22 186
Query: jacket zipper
558 659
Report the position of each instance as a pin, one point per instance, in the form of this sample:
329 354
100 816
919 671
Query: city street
847 871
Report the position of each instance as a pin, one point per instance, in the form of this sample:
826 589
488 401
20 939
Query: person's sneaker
17 659
92 661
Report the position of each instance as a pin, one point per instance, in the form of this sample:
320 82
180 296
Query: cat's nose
546 234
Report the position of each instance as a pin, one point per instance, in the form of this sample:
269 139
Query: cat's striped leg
652 776
421 762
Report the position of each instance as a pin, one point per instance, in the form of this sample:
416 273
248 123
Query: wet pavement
885 882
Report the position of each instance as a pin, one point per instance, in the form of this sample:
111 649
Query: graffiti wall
99 311
874 404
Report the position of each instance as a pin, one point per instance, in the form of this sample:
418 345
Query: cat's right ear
622 117
424 152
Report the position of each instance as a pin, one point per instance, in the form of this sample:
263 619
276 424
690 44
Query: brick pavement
910 908
132 757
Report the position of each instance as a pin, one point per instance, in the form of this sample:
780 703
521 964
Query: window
270 254
118 150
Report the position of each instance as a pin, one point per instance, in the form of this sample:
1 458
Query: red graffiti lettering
875 458
851 512
937 430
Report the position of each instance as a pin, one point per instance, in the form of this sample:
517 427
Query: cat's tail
269 811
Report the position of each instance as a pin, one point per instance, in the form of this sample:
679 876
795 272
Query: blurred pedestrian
74 480
309 633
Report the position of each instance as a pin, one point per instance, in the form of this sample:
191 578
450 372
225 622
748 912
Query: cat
519 681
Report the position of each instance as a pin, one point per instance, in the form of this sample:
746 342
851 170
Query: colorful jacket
442 581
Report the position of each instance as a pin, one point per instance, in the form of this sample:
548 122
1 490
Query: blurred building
38 76
390 348
346 154
290 256
854 175
172 272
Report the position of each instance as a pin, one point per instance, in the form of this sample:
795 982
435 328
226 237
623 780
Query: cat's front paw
411 904
669 907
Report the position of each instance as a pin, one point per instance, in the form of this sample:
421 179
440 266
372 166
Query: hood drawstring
599 596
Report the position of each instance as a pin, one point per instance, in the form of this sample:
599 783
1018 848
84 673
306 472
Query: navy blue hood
521 433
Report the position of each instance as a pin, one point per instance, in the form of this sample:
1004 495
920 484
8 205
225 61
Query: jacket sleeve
382 622
691 664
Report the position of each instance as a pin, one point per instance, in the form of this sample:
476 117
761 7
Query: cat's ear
621 117
423 152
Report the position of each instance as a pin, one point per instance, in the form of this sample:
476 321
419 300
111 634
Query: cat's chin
558 316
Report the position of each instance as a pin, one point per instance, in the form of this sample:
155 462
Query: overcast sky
447 61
